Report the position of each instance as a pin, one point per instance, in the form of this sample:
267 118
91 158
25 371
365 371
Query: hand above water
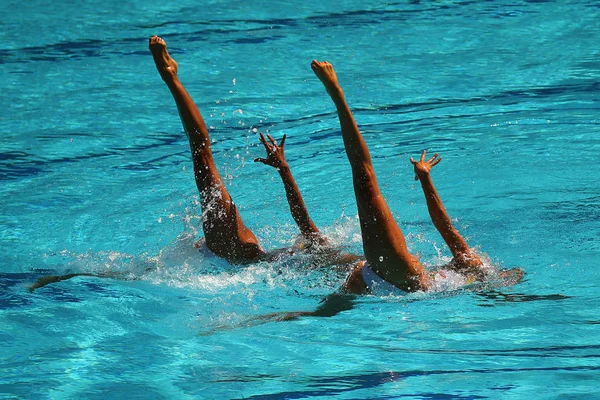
422 167
275 156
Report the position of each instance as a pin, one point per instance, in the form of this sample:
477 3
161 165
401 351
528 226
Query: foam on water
186 262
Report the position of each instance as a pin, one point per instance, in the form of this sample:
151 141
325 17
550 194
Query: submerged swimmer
388 259
389 268
225 234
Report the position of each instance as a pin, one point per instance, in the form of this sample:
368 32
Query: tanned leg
383 242
225 233
464 257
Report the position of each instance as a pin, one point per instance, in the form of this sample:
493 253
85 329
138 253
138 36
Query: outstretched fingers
275 156
267 148
435 160
283 141
421 160
264 142
274 142
414 163
422 167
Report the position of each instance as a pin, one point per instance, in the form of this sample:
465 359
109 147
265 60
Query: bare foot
166 66
326 74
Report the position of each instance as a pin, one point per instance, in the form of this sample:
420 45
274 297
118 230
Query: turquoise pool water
96 177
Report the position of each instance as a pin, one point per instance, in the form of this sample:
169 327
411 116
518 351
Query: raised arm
276 159
463 255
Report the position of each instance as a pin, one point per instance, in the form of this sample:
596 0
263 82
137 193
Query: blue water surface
97 178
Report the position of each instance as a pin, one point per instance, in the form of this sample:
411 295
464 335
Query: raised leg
464 258
225 233
383 242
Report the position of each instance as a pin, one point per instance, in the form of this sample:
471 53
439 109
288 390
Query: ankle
335 92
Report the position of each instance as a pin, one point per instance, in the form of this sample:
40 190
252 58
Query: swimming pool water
96 177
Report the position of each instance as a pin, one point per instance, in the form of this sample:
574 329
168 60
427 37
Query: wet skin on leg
224 231
383 241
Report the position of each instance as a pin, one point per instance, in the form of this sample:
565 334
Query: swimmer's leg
464 256
225 233
383 241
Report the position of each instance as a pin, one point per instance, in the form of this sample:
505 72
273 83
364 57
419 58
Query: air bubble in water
380 258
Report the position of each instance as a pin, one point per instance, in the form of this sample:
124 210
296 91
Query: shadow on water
14 291
335 385
490 298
